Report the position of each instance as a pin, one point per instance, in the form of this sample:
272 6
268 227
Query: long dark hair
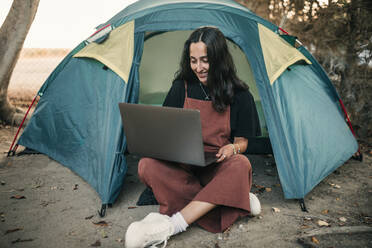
222 80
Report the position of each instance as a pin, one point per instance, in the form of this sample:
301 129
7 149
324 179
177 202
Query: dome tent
77 120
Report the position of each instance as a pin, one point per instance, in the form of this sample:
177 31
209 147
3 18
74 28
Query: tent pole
20 126
359 155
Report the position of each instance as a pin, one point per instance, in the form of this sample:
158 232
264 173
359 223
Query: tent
133 57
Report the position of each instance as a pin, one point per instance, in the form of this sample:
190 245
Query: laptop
166 133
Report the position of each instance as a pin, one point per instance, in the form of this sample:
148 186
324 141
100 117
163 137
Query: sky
65 23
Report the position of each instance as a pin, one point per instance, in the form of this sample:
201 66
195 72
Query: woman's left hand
225 152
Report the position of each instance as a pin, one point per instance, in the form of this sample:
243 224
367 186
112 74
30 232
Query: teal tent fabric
77 120
70 122
314 138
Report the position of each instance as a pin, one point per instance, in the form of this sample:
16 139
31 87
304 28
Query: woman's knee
245 161
144 165
241 162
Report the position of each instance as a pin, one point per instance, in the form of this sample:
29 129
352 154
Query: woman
217 195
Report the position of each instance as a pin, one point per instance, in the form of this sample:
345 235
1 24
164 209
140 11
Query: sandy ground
58 209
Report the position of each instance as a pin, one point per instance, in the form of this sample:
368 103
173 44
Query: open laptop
166 133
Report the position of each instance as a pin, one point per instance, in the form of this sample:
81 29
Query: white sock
179 223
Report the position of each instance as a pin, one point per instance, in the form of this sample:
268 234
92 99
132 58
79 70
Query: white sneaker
153 230
254 204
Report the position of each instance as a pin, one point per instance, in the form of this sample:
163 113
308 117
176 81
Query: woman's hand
225 152
239 146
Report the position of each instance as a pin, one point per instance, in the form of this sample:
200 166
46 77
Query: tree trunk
13 33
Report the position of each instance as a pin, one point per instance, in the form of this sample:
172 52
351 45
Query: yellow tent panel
278 54
116 52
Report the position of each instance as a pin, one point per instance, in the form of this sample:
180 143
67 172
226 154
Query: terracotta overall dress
226 184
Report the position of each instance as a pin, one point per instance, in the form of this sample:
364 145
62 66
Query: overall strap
185 89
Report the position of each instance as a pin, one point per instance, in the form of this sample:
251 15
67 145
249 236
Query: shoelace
158 243
154 245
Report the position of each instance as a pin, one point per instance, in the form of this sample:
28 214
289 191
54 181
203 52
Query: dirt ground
44 204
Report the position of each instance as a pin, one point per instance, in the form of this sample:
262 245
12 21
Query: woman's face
199 61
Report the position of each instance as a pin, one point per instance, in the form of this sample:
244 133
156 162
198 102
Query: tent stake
302 205
102 212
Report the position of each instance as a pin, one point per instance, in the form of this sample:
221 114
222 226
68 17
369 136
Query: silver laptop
166 133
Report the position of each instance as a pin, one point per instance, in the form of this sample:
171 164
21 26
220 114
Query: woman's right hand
225 152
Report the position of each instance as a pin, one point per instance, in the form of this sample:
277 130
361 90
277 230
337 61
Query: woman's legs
196 209
180 193
174 189
179 190
173 185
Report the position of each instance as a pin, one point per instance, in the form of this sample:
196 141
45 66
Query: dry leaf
337 186
277 185
258 186
100 223
104 234
13 230
325 211
322 223
76 186
314 240
337 198
96 244
37 183
227 230
2 182
307 218
21 240
216 245
305 226
268 189
332 184
119 240
89 217
276 210
131 207
18 197
343 219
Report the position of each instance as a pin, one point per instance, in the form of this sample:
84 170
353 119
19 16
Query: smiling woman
206 58
228 118
199 61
